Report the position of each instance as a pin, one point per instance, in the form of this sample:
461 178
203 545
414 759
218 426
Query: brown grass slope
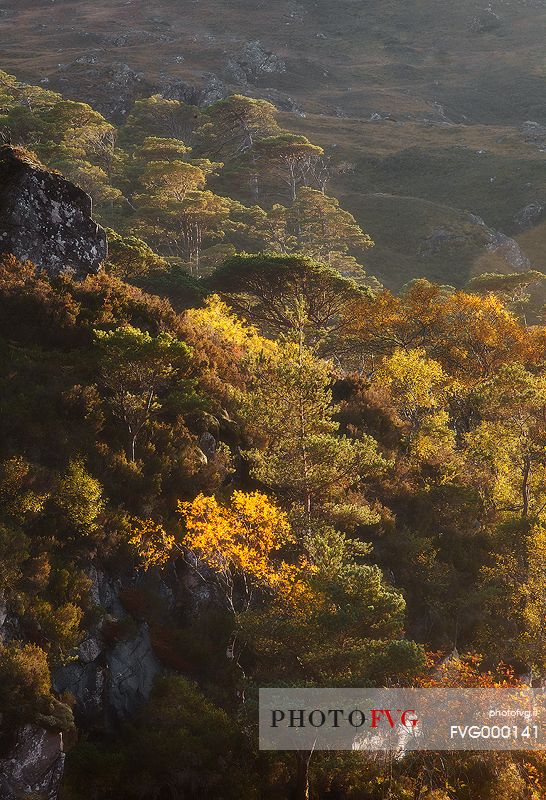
428 100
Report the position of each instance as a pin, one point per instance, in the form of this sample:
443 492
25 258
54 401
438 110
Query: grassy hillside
430 102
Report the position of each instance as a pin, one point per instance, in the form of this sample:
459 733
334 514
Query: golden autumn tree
152 542
240 546
241 542
468 334
419 389
224 346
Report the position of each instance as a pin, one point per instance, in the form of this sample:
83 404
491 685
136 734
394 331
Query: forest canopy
294 475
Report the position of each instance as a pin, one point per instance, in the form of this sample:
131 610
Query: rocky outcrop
509 250
442 238
34 766
109 680
46 219
132 668
473 235
104 591
211 90
529 216
86 682
110 88
253 62
110 683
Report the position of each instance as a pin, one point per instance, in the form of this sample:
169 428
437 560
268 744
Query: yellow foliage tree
241 543
225 346
152 543
415 381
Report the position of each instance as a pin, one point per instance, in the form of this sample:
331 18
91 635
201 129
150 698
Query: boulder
477 237
104 591
208 445
253 62
46 219
210 91
509 250
110 88
34 766
529 216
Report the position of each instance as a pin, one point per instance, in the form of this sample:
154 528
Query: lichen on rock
34 766
46 219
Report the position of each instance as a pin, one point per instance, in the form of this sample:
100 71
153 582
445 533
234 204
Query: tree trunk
301 785
303 438
525 487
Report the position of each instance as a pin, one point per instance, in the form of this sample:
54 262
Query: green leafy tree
316 226
138 371
162 169
288 295
289 158
130 257
513 288
505 451
79 499
180 744
231 127
25 690
183 228
158 116
18 494
297 450
345 631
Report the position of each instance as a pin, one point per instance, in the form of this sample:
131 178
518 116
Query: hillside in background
436 110
230 456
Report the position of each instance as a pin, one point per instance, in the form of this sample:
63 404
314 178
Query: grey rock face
478 235
281 100
207 444
132 668
253 62
109 682
46 219
211 90
104 591
109 88
34 767
529 216
86 677
509 250
535 134
89 650
442 238
3 609
86 683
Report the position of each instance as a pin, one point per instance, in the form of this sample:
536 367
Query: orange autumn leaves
243 540
470 335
